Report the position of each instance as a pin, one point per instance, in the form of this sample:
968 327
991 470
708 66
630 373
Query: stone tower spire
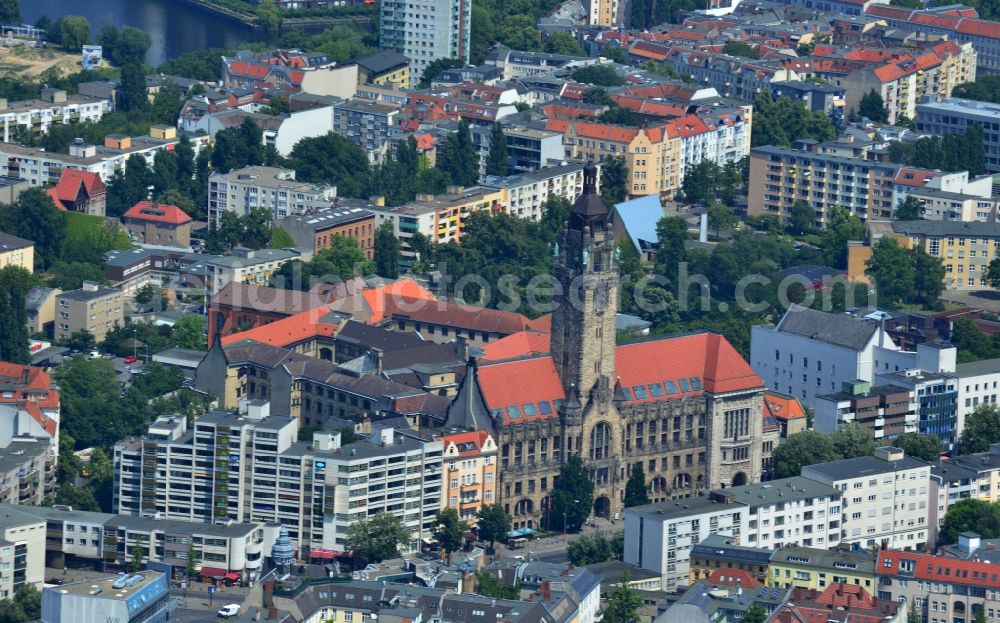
583 323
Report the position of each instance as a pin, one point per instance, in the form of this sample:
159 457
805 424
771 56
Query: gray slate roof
836 329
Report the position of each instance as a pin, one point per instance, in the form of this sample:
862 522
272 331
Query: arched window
600 441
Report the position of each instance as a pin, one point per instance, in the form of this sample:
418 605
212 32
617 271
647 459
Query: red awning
212 572
323 554
233 575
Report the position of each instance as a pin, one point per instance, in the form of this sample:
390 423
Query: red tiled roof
450 313
909 176
783 407
884 10
252 70
939 569
68 188
556 125
979 28
938 21
684 365
31 392
734 577
606 132
157 212
517 345
405 288
477 437
52 192
289 330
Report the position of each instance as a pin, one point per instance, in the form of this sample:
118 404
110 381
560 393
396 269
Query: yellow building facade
816 569
652 155
16 251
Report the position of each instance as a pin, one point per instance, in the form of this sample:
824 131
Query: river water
175 27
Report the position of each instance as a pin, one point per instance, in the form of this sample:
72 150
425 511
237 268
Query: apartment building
717 552
934 397
652 155
523 195
943 589
519 64
426 30
885 410
604 13
789 511
470 473
156 223
885 498
348 218
528 148
438 217
660 537
42 168
966 249
818 568
950 482
290 70
779 177
92 308
41 306
242 190
954 116
978 383
33 117
315 490
384 67
138 598
27 469
16 251
22 552
253 266
368 125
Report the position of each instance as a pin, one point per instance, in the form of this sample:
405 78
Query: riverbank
224 9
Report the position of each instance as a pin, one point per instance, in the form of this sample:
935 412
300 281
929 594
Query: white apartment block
885 498
978 383
43 168
659 537
524 195
55 107
315 490
791 511
253 266
426 30
242 190
718 137
811 353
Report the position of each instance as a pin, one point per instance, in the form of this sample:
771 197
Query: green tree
853 440
842 227
614 180
343 259
386 251
739 48
993 272
597 95
598 75
923 447
912 615
928 277
138 554
701 181
450 531
492 523
636 490
782 121
332 159
14 285
193 561
589 550
982 428
801 217
124 45
36 218
280 239
891 272
458 157
563 43
269 15
721 217
984 89
80 498
377 538
74 32
489 585
671 246
189 332
622 605
756 614
572 498
435 68
872 106
29 599
10 13
910 209
967 514
805 448
496 162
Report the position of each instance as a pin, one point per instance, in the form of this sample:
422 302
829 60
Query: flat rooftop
117 587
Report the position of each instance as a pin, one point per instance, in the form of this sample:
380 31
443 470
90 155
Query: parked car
131 359
229 610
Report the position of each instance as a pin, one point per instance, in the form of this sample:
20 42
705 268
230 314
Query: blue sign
211 590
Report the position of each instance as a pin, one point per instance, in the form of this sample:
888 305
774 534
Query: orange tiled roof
940 569
158 212
289 330
517 345
734 577
31 391
405 288
476 437
783 407
606 132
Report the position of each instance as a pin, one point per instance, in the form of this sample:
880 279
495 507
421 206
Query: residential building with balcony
252 266
818 568
934 399
470 473
788 511
886 410
92 308
366 124
242 190
426 30
33 117
779 177
523 195
884 498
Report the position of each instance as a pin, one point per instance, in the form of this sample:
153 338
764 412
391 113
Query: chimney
25 373
379 355
546 590
703 228
462 346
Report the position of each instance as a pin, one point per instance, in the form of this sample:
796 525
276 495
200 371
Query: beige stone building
16 251
93 307
685 408
41 305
